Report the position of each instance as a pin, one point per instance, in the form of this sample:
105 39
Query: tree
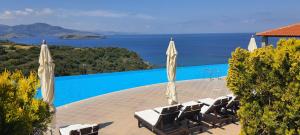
268 84
2 50
20 112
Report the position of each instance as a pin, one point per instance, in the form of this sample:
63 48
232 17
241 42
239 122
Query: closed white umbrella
252 44
171 73
46 75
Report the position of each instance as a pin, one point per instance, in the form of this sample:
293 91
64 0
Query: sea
193 49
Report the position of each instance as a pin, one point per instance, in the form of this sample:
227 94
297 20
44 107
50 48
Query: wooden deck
115 111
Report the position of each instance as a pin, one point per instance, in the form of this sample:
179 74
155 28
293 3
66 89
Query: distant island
73 36
70 60
44 30
14 35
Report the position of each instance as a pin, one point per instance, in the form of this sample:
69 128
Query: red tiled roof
287 31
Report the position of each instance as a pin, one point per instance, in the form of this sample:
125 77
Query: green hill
69 60
40 30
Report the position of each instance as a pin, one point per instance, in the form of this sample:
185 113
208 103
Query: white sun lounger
233 101
149 116
189 107
190 116
212 110
160 120
66 130
232 106
210 105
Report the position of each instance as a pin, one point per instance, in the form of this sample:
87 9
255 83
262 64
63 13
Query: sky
154 16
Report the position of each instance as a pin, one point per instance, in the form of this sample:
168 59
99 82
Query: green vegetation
74 36
268 84
69 60
20 112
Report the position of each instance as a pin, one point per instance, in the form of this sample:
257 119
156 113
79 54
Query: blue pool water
69 89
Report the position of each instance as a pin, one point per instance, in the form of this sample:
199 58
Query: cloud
143 16
6 15
104 13
29 12
12 14
45 11
99 13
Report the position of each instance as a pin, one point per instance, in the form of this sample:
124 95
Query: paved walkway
115 111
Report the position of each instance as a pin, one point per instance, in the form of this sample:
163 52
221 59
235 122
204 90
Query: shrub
268 84
2 50
20 112
12 47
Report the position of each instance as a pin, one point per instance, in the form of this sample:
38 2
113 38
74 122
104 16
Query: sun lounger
74 132
190 110
232 106
233 103
212 111
190 116
161 120
80 129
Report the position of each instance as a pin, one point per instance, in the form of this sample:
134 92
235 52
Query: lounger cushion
204 109
210 101
222 98
230 95
160 109
207 101
190 103
149 116
185 105
66 130
232 100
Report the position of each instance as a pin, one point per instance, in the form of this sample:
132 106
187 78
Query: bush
20 112
2 50
268 84
12 47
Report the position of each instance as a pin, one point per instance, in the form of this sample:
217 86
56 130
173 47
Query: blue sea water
193 49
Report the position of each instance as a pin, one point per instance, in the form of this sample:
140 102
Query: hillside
69 60
40 30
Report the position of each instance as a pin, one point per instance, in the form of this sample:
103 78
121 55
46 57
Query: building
292 30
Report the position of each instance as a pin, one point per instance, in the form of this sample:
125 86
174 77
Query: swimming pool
69 89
